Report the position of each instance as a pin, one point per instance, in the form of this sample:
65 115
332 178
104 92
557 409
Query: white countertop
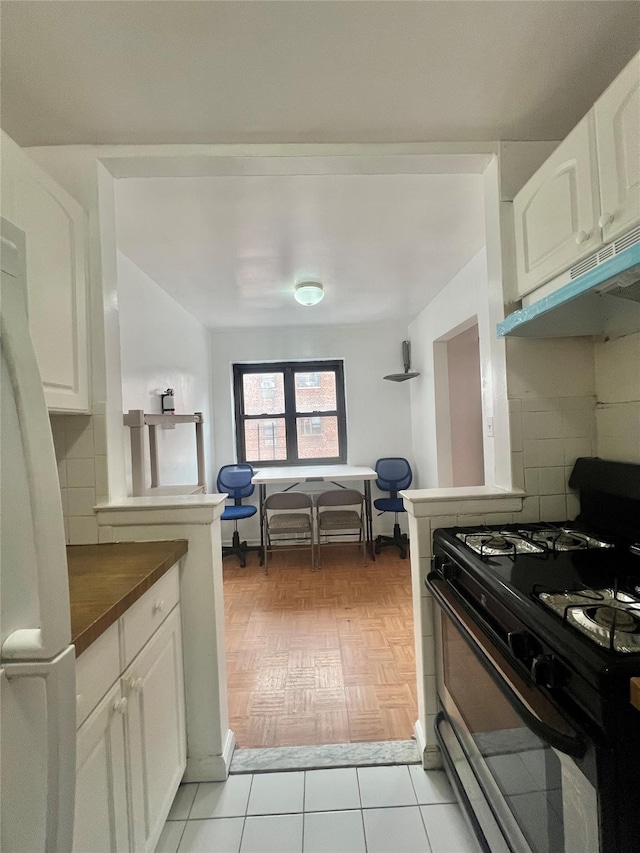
459 493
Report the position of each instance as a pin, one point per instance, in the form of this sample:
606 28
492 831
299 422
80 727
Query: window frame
289 369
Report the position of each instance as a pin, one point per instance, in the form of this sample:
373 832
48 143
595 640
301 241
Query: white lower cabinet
155 726
101 818
131 749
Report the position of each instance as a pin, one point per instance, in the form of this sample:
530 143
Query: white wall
454 309
163 346
378 416
617 375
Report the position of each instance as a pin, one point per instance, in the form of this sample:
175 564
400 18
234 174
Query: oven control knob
445 568
547 672
523 646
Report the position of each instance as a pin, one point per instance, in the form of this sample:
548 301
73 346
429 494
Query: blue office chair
235 480
394 474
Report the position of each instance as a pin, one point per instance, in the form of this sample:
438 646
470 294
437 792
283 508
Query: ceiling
230 248
181 71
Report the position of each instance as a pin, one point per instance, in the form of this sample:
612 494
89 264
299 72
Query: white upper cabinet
617 116
55 228
556 212
588 191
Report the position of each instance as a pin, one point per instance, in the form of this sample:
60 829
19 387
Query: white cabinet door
556 212
55 228
101 822
617 115
154 685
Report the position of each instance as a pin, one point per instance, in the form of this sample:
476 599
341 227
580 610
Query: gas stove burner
565 538
498 542
495 543
609 617
614 617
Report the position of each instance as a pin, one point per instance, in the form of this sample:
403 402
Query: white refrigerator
37 665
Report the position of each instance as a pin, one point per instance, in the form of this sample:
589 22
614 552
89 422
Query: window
290 412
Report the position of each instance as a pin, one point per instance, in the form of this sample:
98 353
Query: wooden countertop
105 580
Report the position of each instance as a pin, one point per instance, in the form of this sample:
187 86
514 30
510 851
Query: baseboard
212 768
430 755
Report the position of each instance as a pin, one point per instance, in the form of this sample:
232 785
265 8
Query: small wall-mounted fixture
167 402
308 292
406 358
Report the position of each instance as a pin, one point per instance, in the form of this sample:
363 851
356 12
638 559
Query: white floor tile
334 832
331 790
222 799
386 786
170 837
276 793
182 803
204 836
431 786
399 830
447 830
272 834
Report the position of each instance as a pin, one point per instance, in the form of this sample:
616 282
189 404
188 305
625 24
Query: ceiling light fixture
308 292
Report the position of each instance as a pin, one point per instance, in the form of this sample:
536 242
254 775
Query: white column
429 509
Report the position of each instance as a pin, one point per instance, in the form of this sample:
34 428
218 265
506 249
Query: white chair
342 517
283 524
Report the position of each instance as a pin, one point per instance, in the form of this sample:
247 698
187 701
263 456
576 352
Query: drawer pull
605 220
78 698
582 237
135 685
120 706
158 607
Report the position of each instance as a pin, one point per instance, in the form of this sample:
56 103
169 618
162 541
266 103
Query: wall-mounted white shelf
137 420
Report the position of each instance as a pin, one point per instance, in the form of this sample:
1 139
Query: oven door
506 745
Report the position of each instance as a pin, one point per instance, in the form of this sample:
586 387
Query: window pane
263 393
265 440
317 394
318 438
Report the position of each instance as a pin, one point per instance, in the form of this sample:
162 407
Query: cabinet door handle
120 705
158 607
582 237
605 219
135 685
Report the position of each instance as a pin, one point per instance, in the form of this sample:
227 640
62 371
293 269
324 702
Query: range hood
600 295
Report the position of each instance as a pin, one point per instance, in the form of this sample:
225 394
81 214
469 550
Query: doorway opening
459 419
324 657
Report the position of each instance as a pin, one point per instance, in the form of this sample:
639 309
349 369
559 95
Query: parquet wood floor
322 657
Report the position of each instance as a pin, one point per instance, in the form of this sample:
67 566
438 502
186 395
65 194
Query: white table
296 474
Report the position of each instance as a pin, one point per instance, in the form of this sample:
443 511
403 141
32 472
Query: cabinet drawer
144 617
97 668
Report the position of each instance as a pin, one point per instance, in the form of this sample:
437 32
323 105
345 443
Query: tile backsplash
81 454
552 406
547 436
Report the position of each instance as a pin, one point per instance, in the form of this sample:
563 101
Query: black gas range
539 636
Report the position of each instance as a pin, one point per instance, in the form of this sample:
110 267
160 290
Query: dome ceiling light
308 292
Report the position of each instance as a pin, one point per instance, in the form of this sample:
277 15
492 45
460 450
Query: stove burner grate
607 616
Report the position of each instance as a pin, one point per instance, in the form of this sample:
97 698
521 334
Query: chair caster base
240 550
399 540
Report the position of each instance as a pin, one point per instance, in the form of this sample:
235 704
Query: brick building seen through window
290 412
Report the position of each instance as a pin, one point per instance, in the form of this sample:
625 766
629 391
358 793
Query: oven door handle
527 700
